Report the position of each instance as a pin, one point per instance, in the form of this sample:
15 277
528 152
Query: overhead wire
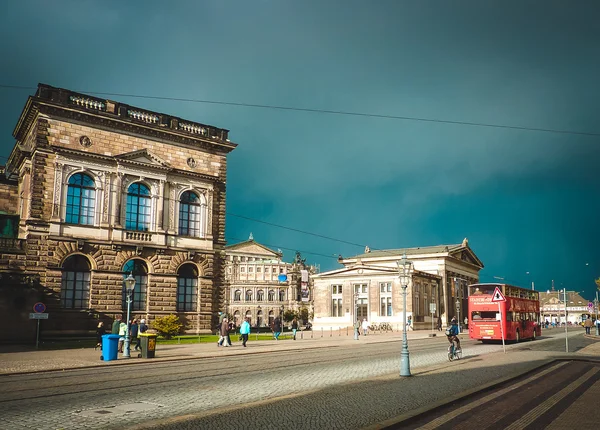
327 111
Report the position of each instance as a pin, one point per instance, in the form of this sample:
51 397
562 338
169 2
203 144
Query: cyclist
452 333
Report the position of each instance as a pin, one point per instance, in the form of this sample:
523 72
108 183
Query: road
323 387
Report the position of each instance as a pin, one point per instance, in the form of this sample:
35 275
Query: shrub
289 315
167 326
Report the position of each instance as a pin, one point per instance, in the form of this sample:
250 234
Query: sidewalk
29 361
32 360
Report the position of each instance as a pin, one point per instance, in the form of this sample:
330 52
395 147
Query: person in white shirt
365 326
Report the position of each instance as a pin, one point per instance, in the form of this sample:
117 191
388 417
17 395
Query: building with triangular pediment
367 287
260 286
95 190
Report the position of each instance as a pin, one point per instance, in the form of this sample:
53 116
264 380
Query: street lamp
129 286
405 270
355 316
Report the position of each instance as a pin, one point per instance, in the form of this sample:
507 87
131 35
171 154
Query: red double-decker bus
520 313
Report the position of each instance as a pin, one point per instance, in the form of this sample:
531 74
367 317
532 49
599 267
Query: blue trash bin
110 347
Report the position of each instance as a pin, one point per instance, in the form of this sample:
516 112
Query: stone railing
9 244
143 116
138 236
88 103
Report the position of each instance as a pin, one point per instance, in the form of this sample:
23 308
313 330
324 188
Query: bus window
478 289
483 315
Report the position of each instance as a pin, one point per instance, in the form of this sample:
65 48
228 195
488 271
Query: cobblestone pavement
321 385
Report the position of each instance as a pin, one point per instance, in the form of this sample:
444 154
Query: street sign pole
37 335
499 297
501 328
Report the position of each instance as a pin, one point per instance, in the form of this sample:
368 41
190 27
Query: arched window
81 200
260 295
191 214
140 273
237 318
75 288
249 317
281 295
237 296
271 318
259 318
249 295
271 295
187 288
138 207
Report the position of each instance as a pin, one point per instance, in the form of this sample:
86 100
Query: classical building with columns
261 286
368 287
96 189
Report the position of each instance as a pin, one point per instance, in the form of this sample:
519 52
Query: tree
303 314
289 315
167 326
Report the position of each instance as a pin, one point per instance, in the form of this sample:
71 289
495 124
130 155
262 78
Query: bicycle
453 352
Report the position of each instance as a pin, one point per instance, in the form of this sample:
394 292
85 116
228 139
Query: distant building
552 304
259 285
367 287
96 189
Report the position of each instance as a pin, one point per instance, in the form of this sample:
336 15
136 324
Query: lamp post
405 269
129 286
355 316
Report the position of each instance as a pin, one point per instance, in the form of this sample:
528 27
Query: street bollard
330 331
597 329
301 335
346 330
321 331
339 331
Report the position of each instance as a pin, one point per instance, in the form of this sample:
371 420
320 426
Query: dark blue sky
528 201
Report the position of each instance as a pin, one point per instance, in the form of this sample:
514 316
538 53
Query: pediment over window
143 156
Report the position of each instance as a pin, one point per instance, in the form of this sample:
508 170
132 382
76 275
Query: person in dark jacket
116 325
100 331
294 327
224 332
134 332
277 328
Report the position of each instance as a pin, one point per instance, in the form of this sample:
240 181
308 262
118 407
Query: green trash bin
148 345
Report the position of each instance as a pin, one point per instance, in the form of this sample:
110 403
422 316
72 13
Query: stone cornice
119 117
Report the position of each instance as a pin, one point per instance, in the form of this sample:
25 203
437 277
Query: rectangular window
250 269
242 270
75 290
336 301
187 294
258 269
385 299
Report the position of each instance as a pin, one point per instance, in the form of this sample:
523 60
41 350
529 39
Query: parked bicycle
454 352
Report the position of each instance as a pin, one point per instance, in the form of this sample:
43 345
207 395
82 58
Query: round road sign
39 307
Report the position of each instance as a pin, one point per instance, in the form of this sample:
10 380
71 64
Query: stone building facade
261 286
102 189
368 287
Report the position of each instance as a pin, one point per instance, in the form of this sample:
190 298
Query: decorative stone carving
191 162
58 179
85 141
106 203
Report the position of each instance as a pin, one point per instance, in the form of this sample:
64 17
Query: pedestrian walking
409 323
357 327
588 325
116 324
277 328
245 331
365 326
223 332
294 327
230 327
100 331
439 324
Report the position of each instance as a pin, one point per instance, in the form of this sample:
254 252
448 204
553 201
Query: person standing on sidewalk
116 324
365 326
100 331
122 334
439 324
294 327
223 332
588 325
245 331
134 332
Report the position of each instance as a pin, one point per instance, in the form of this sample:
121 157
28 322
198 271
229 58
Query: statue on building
367 249
465 242
299 260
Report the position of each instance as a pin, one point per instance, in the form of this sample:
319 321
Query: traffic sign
590 306
39 307
498 296
431 308
38 316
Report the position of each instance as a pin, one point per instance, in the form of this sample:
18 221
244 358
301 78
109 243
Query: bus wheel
517 337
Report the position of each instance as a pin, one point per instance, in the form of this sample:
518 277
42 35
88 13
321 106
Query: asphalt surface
332 384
